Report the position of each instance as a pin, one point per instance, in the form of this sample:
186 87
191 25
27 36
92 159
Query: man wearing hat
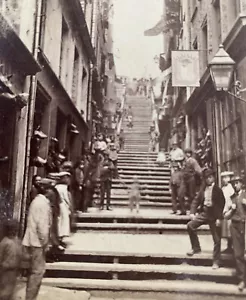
211 200
191 170
176 154
177 189
228 191
236 212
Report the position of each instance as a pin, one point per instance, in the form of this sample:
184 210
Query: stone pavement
52 293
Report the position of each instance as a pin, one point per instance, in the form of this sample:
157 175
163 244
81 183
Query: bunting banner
171 19
185 68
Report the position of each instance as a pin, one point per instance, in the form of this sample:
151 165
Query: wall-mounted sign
185 68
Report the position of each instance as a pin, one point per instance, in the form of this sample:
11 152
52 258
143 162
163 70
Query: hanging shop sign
185 68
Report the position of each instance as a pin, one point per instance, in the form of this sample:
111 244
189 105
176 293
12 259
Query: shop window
232 137
7 116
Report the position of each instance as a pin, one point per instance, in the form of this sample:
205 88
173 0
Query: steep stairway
145 252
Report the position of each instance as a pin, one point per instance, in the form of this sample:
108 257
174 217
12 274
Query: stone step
136 271
137 228
145 186
141 257
142 182
144 174
140 163
155 287
128 217
154 168
163 199
137 159
123 203
146 192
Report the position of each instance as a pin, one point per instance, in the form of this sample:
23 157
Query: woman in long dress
228 191
66 209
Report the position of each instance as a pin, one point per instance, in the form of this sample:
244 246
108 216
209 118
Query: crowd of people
54 200
51 210
194 191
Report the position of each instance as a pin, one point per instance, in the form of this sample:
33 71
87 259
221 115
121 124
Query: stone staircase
140 253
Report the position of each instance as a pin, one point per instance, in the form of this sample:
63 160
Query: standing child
228 191
134 194
10 260
122 139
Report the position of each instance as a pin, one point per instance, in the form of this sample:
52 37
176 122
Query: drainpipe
89 99
30 113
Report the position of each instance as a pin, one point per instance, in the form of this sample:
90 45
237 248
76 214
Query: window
193 9
204 44
75 76
64 52
42 23
217 21
11 9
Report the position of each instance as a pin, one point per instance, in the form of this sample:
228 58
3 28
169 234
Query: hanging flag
157 29
171 19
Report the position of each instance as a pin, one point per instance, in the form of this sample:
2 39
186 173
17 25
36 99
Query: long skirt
64 220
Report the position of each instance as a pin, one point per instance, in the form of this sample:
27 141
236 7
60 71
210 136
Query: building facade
215 118
46 91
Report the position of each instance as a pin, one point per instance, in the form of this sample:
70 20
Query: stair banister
154 113
122 114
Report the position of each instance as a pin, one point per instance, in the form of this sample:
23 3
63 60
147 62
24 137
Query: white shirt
228 191
208 195
38 223
177 154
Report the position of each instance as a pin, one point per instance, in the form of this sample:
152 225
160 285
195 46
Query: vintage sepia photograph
122 149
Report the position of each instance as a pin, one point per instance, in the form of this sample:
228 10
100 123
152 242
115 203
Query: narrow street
124 253
123 149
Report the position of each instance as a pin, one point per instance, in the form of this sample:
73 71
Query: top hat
236 178
208 172
226 173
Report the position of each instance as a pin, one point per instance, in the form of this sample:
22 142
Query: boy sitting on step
134 194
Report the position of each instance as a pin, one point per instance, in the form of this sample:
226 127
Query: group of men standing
223 209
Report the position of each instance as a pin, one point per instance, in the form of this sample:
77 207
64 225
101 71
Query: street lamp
222 70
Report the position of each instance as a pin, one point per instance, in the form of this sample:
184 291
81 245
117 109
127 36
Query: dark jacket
218 202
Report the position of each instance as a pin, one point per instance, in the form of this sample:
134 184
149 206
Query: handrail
154 113
119 123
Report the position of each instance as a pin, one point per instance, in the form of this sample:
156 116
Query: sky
133 52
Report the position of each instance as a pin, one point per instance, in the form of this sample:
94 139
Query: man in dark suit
237 213
211 201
